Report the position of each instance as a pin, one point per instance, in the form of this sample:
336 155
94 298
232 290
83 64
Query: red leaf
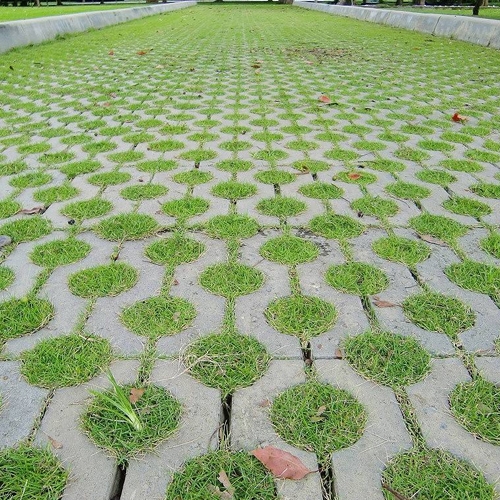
135 395
141 52
325 99
282 464
354 176
459 119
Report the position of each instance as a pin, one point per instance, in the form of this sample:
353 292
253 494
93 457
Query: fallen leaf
325 99
227 484
223 495
159 66
317 418
338 354
354 176
458 118
308 62
176 282
282 464
55 444
32 211
135 395
431 239
257 71
265 403
111 53
141 52
256 65
176 316
394 492
383 303
114 95
321 410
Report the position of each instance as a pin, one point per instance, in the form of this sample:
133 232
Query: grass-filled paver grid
243 122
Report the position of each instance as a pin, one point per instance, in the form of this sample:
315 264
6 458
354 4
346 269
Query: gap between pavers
358 468
484 32
251 426
148 476
34 31
440 429
92 471
21 404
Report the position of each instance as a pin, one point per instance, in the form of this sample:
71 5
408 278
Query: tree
477 5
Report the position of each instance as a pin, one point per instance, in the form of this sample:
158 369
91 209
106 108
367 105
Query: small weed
141 192
29 473
318 417
475 405
475 276
60 252
403 250
321 191
375 206
158 316
439 177
103 281
438 226
131 226
174 251
226 361
301 316
357 278
87 209
334 226
186 207
434 473
65 361
109 179
23 316
466 206
439 313
30 229
387 359
231 279
289 250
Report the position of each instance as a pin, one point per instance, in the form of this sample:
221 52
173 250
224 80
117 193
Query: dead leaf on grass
431 239
354 176
325 99
282 464
227 484
135 395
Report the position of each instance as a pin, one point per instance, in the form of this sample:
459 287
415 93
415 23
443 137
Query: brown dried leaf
135 395
142 52
282 464
431 239
55 444
321 410
32 211
338 354
353 176
383 303
223 495
265 403
227 484
325 99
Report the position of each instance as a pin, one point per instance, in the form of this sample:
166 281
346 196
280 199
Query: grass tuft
87 209
233 190
338 227
6 277
475 276
231 279
131 226
357 278
466 206
375 206
441 227
232 226
186 207
289 250
321 191
141 192
175 250
403 250
22 230
59 252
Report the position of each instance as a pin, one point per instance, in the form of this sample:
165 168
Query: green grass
300 315
355 177
318 417
274 177
439 177
22 230
475 405
65 361
193 177
39 147
403 250
387 359
158 411
166 145
31 473
141 192
72 170
109 179
410 154
96 147
439 313
175 250
357 278
199 155
8 208
23 316
55 194
270 155
231 279
60 252
438 226
198 479
6 277
375 206
31 179
433 145
310 166
321 191
484 156
341 154
281 206
484 12
337 227
232 226
126 226
384 165
56 158
475 276
435 474
234 166
466 206
461 165
408 191
154 166
102 281
233 190
226 361
491 244
186 207
12 168
486 190
87 209
126 156
289 250
158 316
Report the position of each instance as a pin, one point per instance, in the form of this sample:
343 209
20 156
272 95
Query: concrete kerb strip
484 32
33 31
